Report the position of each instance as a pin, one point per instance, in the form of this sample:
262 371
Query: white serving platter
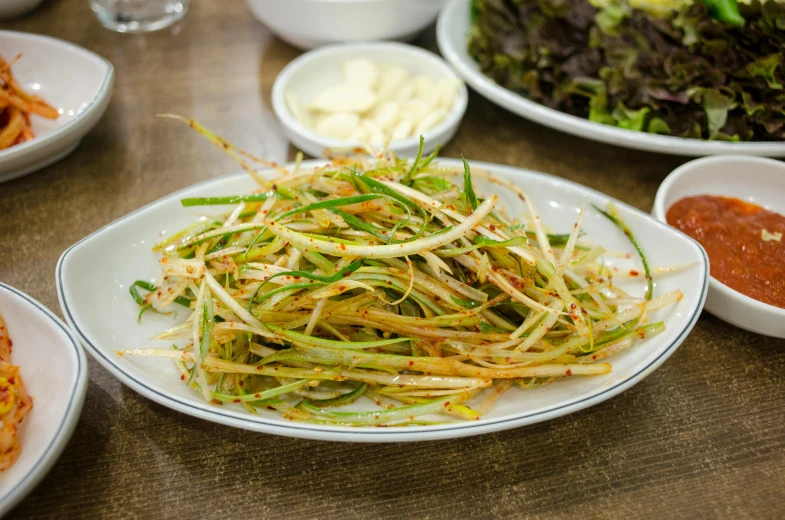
105 317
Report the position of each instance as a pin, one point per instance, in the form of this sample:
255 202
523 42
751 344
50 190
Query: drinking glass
135 16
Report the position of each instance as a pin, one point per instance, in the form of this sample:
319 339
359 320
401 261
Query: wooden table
702 436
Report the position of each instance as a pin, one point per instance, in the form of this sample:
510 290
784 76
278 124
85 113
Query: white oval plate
452 31
104 316
54 370
74 80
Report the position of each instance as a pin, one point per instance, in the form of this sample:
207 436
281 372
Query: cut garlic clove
359 134
423 85
360 72
390 82
385 114
339 125
402 130
447 90
375 134
405 93
430 120
343 98
415 109
297 110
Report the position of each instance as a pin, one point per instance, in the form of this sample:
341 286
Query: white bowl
74 80
319 69
54 371
452 33
754 179
15 8
105 318
310 23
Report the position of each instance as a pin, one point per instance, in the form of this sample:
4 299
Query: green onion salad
381 279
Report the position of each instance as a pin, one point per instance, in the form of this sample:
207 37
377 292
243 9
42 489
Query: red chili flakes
569 372
634 272
236 401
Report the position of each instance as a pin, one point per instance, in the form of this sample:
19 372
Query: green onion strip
375 280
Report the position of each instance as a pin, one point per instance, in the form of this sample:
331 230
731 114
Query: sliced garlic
360 72
293 103
343 98
375 134
339 125
447 90
385 114
415 109
423 85
390 82
358 134
402 130
430 120
376 103
405 92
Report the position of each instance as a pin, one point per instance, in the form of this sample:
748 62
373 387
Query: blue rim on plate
320 432
65 428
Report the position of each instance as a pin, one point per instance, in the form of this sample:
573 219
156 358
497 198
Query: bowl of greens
695 77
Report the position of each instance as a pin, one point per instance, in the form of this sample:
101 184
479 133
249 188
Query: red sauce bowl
753 179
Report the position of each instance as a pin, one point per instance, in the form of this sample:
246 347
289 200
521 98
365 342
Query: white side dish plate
105 318
54 371
452 32
752 179
74 80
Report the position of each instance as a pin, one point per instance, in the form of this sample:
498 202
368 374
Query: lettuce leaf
685 73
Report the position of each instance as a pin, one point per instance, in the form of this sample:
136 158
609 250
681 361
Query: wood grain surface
702 437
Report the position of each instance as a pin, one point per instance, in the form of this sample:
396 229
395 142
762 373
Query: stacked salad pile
709 69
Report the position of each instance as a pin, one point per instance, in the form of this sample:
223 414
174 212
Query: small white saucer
753 179
54 371
321 68
74 80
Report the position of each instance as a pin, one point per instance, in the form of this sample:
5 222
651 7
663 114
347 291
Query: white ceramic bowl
74 80
10 9
754 179
310 23
54 371
319 69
